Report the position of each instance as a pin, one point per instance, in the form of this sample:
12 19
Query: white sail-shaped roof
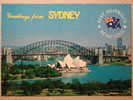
69 61
62 64
78 62
72 63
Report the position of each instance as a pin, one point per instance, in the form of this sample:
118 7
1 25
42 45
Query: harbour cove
96 73
65 76
102 74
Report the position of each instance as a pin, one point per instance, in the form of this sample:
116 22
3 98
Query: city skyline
82 31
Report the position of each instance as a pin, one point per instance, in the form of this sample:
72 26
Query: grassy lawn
58 92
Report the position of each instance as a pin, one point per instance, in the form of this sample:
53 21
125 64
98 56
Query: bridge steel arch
81 50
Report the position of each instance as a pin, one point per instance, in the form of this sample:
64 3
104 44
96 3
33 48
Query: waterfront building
114 53
129 52
108 49
73 64
113 47
39 58
96 51
119 43
124 53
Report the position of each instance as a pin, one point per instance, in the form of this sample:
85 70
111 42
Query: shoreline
113 64
64 74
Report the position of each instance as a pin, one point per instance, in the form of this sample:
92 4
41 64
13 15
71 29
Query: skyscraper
119 43
108 48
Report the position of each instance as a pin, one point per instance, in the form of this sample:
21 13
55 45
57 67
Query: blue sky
82 31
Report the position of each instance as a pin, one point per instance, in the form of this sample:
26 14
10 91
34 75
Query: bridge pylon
8 54
100 56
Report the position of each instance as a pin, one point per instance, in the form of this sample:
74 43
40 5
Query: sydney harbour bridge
52 47
47 48
41 49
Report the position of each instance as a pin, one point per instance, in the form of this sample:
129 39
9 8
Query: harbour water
97 73
102 74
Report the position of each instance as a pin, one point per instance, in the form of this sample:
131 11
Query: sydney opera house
70 64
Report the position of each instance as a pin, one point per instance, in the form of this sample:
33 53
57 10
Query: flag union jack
112 22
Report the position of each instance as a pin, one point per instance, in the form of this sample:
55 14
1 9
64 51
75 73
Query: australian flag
112 22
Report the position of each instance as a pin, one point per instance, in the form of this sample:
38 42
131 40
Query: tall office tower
119 43
108 48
